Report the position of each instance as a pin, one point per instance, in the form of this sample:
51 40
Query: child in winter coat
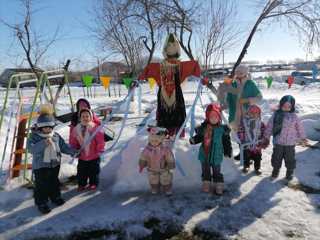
82 103
251 130
89 158
215 139
46 147
287 131
159 161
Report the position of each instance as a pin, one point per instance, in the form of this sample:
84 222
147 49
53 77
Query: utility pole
223 63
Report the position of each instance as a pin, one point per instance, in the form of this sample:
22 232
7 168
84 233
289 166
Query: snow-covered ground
252 207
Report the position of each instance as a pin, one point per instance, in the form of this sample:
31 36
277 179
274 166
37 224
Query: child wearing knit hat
159 160
215 139
287 130
251 131
46 147
88 168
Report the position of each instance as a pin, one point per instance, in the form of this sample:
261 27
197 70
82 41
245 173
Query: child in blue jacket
46 147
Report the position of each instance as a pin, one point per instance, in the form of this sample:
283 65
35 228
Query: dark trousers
255 156
210 173
47 185
283 152
88 170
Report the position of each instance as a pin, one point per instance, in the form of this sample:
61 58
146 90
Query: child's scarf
279 114
252 129
277 122
83 135
51 151
208 138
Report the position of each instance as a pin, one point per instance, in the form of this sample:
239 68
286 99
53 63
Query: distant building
8 72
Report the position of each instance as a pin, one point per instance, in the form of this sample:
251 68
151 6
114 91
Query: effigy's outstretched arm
189 68
152 70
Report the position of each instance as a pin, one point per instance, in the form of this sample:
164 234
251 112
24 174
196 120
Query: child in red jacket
89 158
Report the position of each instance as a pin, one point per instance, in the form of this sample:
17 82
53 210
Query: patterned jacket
292 130
259 133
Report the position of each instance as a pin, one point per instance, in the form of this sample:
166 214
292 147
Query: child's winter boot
167 190
219 188
245 170
206 186
92 187
81 188
154 189
213 187
58 201
44 208
289 175
275 173
258 172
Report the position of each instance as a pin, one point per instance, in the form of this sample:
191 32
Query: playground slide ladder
19 155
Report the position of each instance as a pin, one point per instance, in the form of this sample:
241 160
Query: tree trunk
246 45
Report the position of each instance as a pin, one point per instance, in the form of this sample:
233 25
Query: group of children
284 126
46 147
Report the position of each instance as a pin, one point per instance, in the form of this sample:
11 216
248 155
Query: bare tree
118 34
301 16
149 19
180 17
146 14
217 31
33 44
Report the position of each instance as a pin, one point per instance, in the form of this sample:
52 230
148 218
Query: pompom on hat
46 118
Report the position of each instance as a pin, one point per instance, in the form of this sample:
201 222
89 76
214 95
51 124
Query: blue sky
75 40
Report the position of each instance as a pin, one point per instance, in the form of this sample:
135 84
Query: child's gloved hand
304 142
141 169
49 141
205 81
243 100
265 143
228 154
76 153
191 141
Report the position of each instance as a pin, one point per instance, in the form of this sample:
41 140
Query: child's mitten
141 169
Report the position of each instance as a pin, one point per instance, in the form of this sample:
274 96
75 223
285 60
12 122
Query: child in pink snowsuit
159 161
89 158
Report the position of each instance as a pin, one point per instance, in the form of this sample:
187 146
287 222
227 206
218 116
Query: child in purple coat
287 131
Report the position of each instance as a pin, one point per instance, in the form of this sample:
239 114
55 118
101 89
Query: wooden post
19 150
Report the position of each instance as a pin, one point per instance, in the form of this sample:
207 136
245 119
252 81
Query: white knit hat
242 69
